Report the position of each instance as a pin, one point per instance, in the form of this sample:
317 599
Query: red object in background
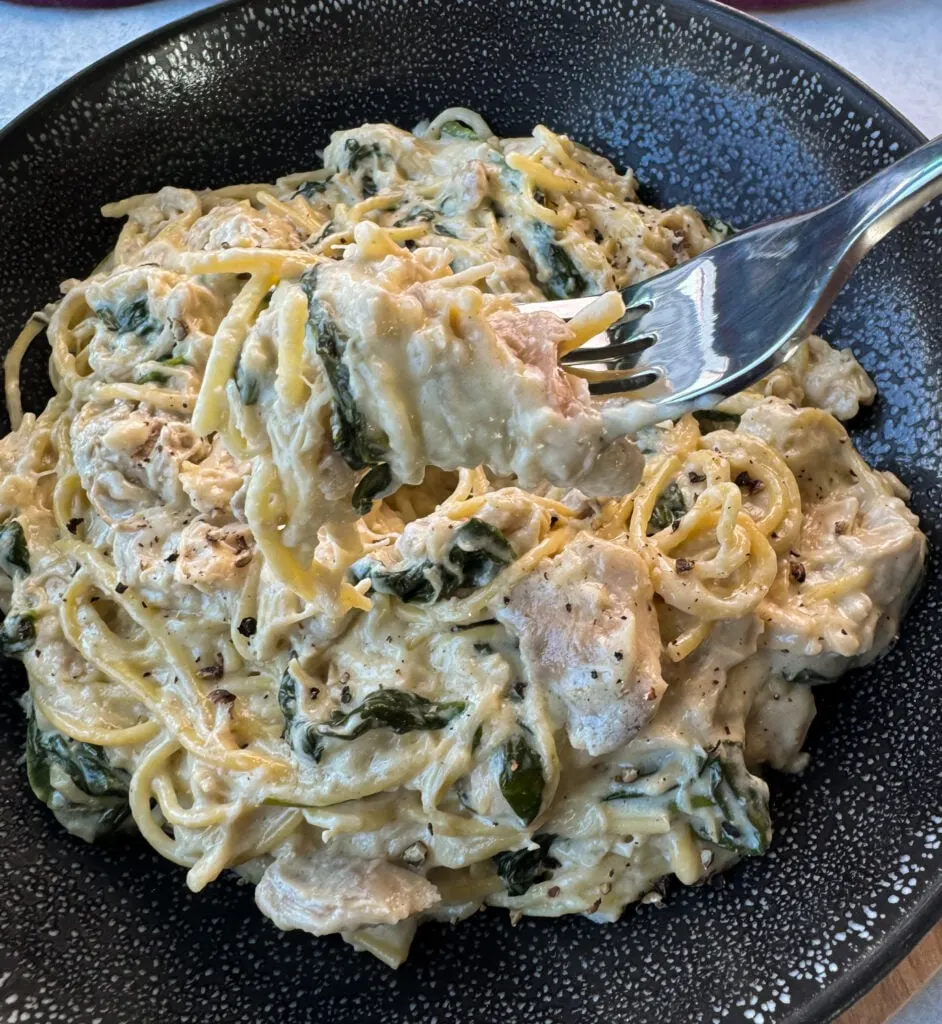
745 5
81 3
771 5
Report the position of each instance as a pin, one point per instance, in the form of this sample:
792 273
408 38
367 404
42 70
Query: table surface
891 45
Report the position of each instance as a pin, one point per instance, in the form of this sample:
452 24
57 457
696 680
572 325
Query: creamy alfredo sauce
323 570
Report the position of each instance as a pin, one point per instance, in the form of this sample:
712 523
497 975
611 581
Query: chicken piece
240 225
213 557
858 556
484 376
211 483
833 380
130 458
588 634
322 892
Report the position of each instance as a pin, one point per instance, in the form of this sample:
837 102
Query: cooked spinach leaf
173 361
77 782
248 383
440 229
475 556
17 633
669 508
356 153
415 216
371 486
521 778
721 226
735 811
300 734
714 419
724 803
14 554
519 869
420 583
153 377
557 274
310 189
478 553
353 438
391 709
459 130
132 316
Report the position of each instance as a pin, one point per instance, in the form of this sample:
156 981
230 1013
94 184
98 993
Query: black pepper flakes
214 671
73 524
248 626
840 527
797 572
684 564
594 674
568 607
120 588
345 695
553 891
172 557
748 483
619 655
696 478
222 697
313 693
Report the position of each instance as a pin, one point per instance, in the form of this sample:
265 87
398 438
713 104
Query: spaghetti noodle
322 570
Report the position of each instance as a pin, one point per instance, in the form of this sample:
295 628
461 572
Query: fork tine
632 382
607 353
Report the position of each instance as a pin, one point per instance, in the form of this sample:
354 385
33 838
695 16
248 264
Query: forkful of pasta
708 328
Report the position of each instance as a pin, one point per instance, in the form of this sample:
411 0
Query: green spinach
248 383
669 508
353 438
153 377
17 633
724 803
416 215
714 419
355 155
556 271
521 777
129 317
311 189
519 869
397 710
459 130
300 734
77 782
474 557
14 554
373 484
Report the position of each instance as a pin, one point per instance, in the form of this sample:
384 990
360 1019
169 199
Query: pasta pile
323 570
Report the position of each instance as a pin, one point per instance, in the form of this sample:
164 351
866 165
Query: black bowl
709 107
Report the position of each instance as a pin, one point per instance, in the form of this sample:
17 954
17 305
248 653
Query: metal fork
710 327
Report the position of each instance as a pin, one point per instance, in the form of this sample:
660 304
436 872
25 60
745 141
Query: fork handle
891 197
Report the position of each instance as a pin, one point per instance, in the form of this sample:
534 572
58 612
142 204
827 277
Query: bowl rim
851 984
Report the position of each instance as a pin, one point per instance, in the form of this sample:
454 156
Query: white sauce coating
532 668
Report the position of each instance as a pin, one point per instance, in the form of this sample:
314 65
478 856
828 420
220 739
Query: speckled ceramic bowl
708 106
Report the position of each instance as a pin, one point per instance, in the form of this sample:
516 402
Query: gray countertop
893 46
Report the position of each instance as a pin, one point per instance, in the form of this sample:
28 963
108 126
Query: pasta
323 570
